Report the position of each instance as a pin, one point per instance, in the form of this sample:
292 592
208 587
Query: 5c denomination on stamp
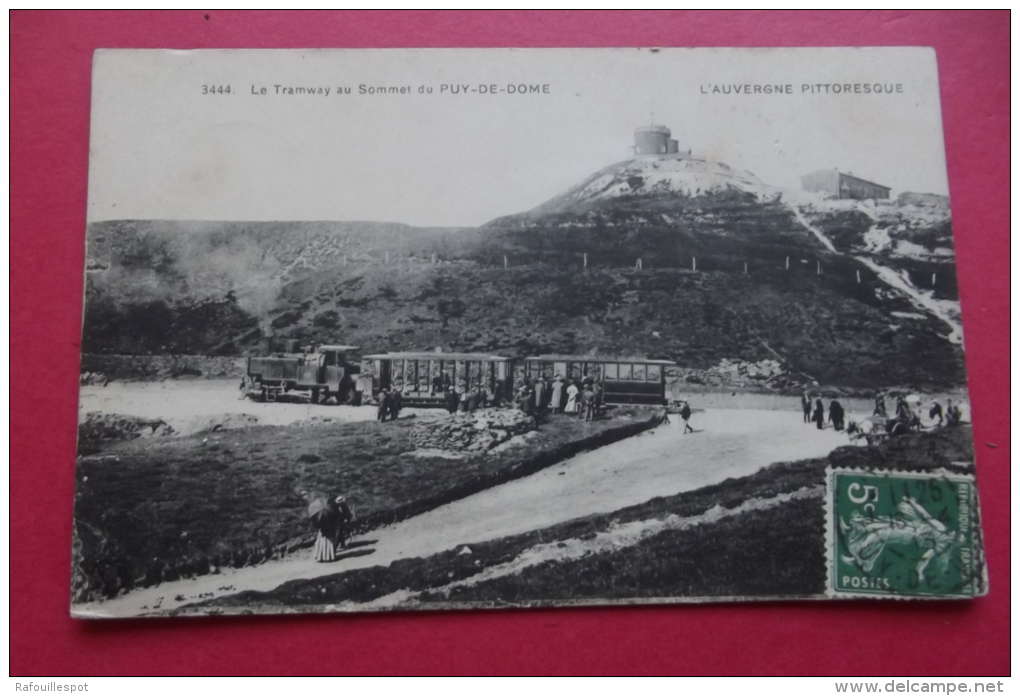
902 534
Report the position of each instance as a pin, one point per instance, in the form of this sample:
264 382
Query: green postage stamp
903 534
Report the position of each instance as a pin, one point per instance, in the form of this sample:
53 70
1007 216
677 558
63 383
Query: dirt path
812 229
664 461
942 310
190 405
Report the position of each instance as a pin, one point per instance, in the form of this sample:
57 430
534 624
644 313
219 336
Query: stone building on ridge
836 184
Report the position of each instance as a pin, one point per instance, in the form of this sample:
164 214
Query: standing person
935 413
600 398
525 399
589 401
805 406
557 395
324 514
685 414
953 414
451 400
836 414
901 406
540 392
880 405
396 403
345 518
572 392
384 405
819 416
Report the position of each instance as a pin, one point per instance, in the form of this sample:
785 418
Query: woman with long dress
557 395
572 392
819 415
325 515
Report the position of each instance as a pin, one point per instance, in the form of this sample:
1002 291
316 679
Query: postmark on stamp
902 534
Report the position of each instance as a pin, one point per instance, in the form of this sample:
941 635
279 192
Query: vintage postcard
452 328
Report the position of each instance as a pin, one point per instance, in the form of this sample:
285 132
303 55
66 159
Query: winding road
728 443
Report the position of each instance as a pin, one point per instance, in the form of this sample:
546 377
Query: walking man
685 414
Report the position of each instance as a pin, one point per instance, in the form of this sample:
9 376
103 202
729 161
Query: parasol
320 509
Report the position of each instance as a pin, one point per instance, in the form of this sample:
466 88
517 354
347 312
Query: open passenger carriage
424 378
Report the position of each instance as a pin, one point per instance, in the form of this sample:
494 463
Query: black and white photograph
484 328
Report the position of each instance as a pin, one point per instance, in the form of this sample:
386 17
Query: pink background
51 57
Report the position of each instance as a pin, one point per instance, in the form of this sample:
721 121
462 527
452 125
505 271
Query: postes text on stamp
902 534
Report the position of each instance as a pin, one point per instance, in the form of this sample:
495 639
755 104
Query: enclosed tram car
323 374
623 380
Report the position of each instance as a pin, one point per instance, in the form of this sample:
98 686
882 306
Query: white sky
161 149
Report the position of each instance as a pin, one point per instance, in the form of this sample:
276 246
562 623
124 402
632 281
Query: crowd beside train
583 398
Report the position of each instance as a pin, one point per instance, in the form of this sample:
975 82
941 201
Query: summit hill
687 259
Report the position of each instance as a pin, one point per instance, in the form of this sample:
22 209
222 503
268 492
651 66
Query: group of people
583 398
949 416
390 403
469 399
815 413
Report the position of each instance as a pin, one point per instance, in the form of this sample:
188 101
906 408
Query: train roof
332 347
597 359
432 355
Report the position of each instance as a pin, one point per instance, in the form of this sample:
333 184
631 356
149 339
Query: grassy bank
776 552
153 510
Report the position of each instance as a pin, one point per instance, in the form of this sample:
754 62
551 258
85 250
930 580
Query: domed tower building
654 140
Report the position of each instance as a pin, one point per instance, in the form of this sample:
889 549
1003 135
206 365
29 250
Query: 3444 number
215 89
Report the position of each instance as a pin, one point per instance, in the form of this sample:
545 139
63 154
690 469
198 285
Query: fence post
787 263
745 267
387 257
694 263
586 259
933 280
858 276
818 267
504 260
